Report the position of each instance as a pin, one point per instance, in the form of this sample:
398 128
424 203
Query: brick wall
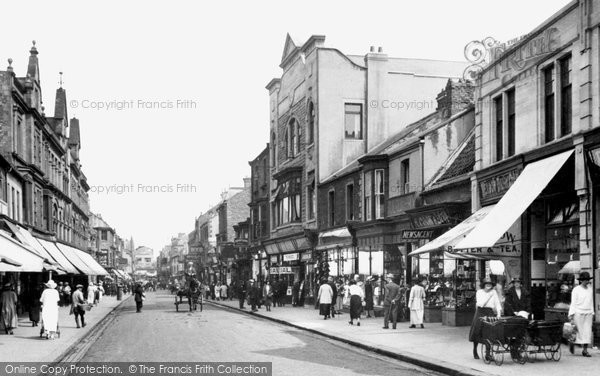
456 96
237 211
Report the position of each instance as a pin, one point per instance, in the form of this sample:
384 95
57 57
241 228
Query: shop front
340 253
435 268
289 263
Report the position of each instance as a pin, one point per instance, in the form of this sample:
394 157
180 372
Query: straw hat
50 284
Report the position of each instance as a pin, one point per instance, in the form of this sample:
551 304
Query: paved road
160 333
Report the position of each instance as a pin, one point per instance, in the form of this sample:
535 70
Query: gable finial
10 68
60 82
33 50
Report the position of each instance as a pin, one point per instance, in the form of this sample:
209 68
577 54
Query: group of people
45 303
517 302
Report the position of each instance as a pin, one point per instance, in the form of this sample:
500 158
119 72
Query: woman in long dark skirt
487 304
357 298
325 297
35 306
369 296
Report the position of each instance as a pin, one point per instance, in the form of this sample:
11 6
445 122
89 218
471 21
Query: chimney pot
380 50
372 49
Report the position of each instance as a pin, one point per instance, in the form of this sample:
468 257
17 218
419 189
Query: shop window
565 96
510 99
367 194
499 131
379 194
288 203
353 121
350 202
549 103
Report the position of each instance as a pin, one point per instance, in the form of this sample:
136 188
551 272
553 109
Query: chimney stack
380 50
372 49
247 182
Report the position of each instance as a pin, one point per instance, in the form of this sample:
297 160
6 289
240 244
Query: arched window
293 138
311 122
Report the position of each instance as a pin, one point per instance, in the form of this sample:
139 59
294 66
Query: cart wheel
498 353
483 346
557 353
548 352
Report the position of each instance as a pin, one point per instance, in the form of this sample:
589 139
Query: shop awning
75 259
528 186
28 239
15 253
89 260
8 261
57 255
457 233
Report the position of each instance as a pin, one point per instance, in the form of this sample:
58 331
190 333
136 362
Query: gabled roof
459 163
60 104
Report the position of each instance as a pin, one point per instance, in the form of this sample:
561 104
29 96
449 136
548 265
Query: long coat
8 308
512 303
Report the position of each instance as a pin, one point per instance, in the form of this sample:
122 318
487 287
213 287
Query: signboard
509 245
274 258
281 270
290 257
435 218
417 234
306 256
498 185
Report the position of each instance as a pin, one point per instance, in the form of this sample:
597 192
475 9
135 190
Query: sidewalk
444 346
27 346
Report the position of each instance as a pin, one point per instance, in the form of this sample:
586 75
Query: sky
171 96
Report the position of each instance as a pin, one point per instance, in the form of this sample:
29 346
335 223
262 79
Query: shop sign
499 184
281 270
306 256
274 259
507 246
417 234
432 219
290 257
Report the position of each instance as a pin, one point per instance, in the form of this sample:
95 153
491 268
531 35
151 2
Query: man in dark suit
241 293
334 298
253 295
390 302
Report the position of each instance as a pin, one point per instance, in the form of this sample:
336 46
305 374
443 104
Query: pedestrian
369 296
91 293
59 288
66 294
517 300
35 306
241 293
486 304
99 292
139 298
390 302
339 301
357 298
268 295
230 291
377 293
416 304
283 287
581 313
218 291
295 293
253 295
79 305
334 296
50 299
8 308
212 291
325 297
224 291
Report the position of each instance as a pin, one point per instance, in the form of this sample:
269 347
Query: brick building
259 229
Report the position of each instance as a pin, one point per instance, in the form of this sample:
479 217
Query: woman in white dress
50 299
581 313
325 297
416 303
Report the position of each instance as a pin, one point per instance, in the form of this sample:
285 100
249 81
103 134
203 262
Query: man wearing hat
517 299
253 295
390 303
581 313
79 303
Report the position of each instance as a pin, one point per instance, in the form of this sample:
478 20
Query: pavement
441 348
161 334
25 345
